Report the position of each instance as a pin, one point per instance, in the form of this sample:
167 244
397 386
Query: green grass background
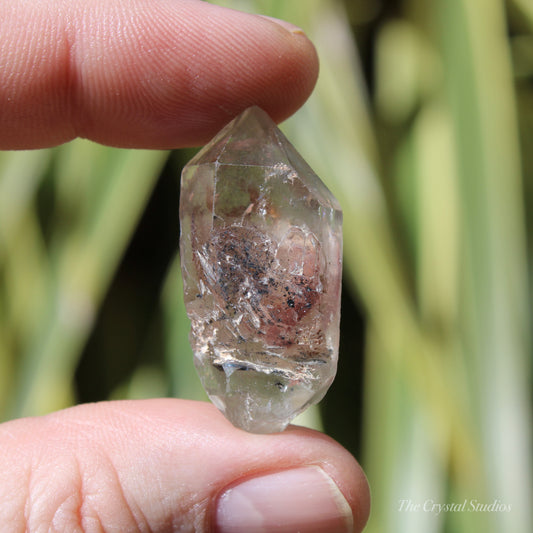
422 125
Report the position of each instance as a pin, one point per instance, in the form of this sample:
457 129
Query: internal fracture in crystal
261 252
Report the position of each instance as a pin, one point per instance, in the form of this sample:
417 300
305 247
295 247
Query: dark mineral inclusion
261 252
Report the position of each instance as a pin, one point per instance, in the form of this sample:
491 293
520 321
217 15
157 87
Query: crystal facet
261 252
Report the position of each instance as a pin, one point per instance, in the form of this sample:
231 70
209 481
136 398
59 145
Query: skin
160 74
144 74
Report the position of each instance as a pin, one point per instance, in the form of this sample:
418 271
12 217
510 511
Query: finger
172 465
142 73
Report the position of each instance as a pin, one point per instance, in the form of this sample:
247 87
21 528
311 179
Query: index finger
142 74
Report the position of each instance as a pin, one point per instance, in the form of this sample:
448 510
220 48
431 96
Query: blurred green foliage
422 125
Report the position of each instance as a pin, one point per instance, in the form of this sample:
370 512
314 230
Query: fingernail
303 499
287 25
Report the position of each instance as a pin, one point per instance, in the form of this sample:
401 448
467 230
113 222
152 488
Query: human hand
157 74
172 465
140 73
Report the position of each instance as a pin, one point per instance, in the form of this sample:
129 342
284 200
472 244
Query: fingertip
229 62
361 500
346 473
303 71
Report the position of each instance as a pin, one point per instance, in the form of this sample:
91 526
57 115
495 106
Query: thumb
172 465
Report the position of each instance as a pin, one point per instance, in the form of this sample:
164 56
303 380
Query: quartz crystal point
261 252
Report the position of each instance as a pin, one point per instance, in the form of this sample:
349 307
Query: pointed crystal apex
261 249
249 139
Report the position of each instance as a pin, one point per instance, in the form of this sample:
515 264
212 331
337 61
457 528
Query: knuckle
54 496
66 495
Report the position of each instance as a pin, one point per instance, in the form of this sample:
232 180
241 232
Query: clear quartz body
261 252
